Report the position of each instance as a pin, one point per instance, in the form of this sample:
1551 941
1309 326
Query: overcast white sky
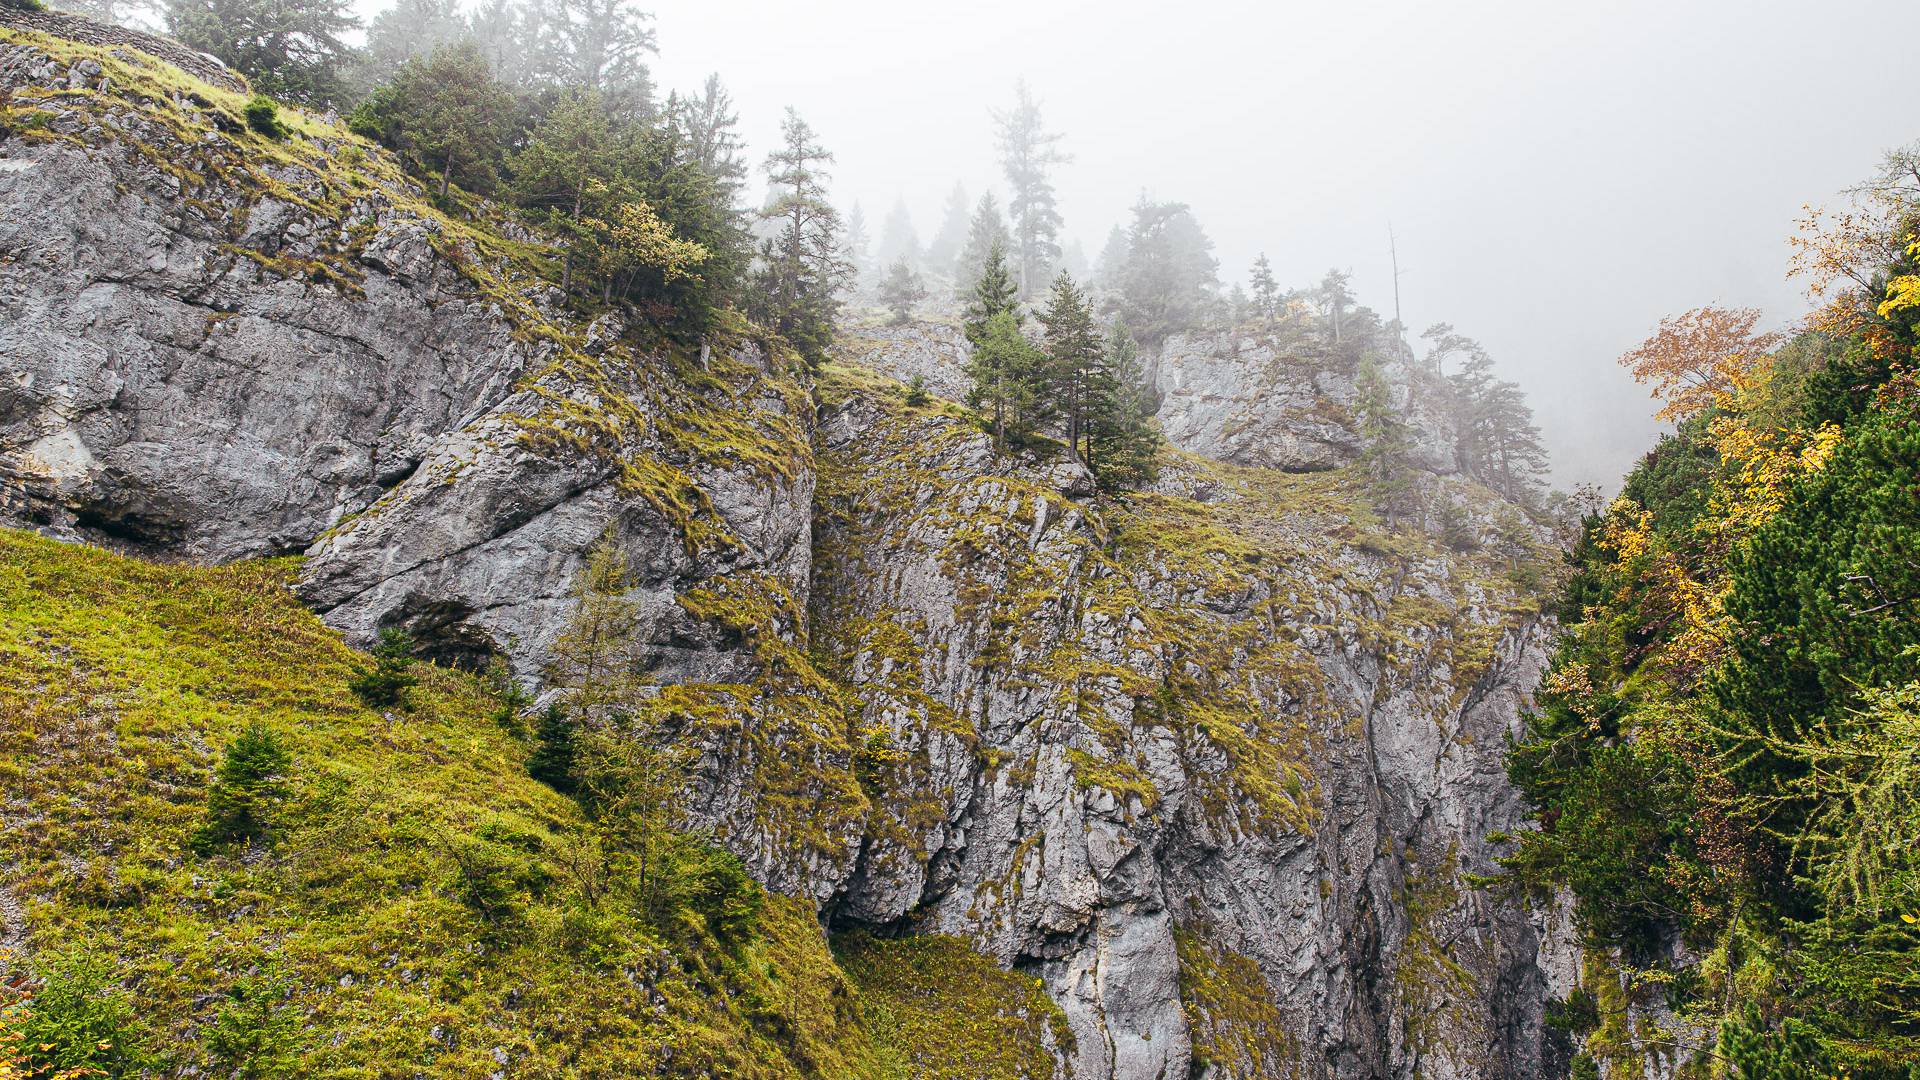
1559 175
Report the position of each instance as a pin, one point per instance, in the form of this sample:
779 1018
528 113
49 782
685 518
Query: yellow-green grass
121 681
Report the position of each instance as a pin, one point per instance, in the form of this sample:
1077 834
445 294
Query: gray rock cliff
1214 761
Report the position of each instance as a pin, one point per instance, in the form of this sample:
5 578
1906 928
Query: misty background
1558 178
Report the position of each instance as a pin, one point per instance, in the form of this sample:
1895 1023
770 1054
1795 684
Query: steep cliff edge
1213 761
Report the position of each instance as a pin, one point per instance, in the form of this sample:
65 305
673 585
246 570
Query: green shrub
713 884
255 1036
263 116
386 685
23 5
499 869
917 391
79 1019
248 788
553 755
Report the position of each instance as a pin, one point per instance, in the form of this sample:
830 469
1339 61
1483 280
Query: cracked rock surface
1213 761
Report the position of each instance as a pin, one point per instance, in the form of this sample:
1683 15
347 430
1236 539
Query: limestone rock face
1213 761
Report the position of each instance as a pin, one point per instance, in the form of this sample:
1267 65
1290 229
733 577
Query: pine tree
946 244
1076 357
1266 291
710 137
858 255
1122 444
900 290
446 116
1167 282
1334 297
898 240
385 685
249 785
802 268
408 29
569 169
293 49
1028 154
987 230
552 760
1387 442
1495 439
1111 265
992 291
601 46
1007 373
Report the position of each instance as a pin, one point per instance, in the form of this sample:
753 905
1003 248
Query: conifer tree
1266 291
1028 153
248 787
945 247
569 168
1122 444
1167 281
601 46
859 257
710 137
1076 358
446 116
1008 373
293 49
986 230
1387 442
898 240
992 291
900 290
802 268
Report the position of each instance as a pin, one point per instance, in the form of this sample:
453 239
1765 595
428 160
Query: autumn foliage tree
1696 359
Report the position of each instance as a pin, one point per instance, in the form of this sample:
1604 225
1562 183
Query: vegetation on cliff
1724 763
411 899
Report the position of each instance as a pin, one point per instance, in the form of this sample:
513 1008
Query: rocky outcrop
1214 761
1115 738
1285 396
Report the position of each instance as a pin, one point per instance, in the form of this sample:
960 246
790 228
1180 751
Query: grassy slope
119 682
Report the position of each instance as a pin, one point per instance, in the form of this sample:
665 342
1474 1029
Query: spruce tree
601 46
1387 443
1266 291
1076 357
802 267
1028 153
249 785
945 247
446 116
292 49
1008 373
1122 444
900 290
987 230
1167 282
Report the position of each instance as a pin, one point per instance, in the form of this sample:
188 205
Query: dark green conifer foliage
1123 446
385 685
1076 359
1388 443
446 116
802 265
292 49
551 762
263 116
900 290
248 787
